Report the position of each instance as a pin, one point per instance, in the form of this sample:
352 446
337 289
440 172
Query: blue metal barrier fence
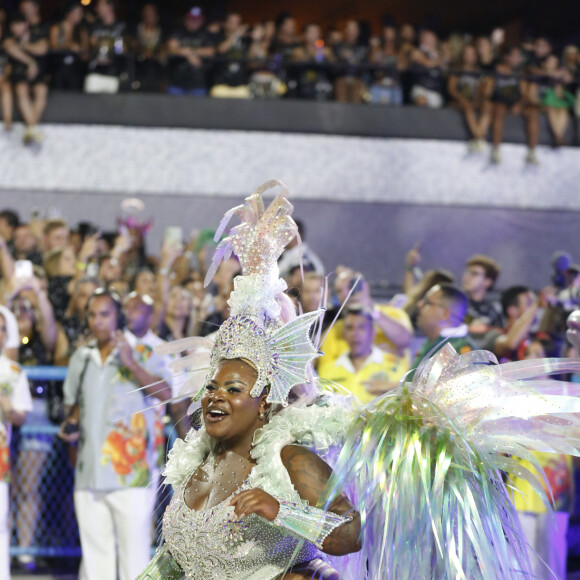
43 518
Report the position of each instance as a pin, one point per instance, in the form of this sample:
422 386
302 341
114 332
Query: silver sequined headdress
281 352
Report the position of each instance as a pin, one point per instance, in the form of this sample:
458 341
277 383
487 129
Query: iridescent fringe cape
429 460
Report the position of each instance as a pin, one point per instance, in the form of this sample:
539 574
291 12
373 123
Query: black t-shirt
110 42
232 72
58 294
351 55
38 32
428 78
19 69
283 50
193 39
181 73
467 83
506 88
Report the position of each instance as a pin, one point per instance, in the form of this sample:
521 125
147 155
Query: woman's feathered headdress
280 351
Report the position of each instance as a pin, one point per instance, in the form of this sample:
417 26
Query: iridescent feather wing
427 462
292 350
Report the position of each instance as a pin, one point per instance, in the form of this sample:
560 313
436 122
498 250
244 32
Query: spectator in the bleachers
130 249
60 266
108 46
26 245
263 35
105 399
7 101
69 43
393 327
37 331
188 47
570 62
417 293
27 47
555 98
7 272
55 234
313 80
109 269
453 50
144 282
149 49
479 277
333 37
230 77
263 82
441 314
311 292
428 65
286 39
407 45
386 86
36 322
72 326
416 283
15 403
486 60
9 221
293 254
520 308
466 89
63 268
509 94
541 50
175 324
364 369
351 54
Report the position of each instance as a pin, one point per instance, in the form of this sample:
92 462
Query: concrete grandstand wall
366 193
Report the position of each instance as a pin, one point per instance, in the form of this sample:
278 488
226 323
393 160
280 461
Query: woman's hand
255 501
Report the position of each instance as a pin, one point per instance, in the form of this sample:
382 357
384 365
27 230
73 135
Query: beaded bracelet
307 522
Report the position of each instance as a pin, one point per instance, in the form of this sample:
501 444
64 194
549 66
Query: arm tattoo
309 475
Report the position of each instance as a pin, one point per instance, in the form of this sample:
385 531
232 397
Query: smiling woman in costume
255 497
247 491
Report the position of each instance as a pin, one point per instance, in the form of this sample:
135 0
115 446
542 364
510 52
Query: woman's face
25 317
67 262
179 303
229 411
484 48
75 16
469 56
82 295
145 283
408 33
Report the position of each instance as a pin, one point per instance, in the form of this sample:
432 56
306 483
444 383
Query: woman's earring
261 416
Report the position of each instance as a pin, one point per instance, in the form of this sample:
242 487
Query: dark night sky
558 18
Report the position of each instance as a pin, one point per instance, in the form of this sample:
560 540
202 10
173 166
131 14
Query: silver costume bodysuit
212 544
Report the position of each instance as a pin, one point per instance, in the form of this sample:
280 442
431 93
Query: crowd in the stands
92 49
52 274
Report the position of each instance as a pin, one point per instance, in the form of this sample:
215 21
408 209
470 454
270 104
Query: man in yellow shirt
364 369
394 330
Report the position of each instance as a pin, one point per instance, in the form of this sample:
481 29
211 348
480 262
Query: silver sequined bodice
211 544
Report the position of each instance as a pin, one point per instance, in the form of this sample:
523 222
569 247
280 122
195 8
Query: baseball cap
194 13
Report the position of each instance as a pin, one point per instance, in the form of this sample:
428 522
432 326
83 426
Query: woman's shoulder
297 459
308 472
